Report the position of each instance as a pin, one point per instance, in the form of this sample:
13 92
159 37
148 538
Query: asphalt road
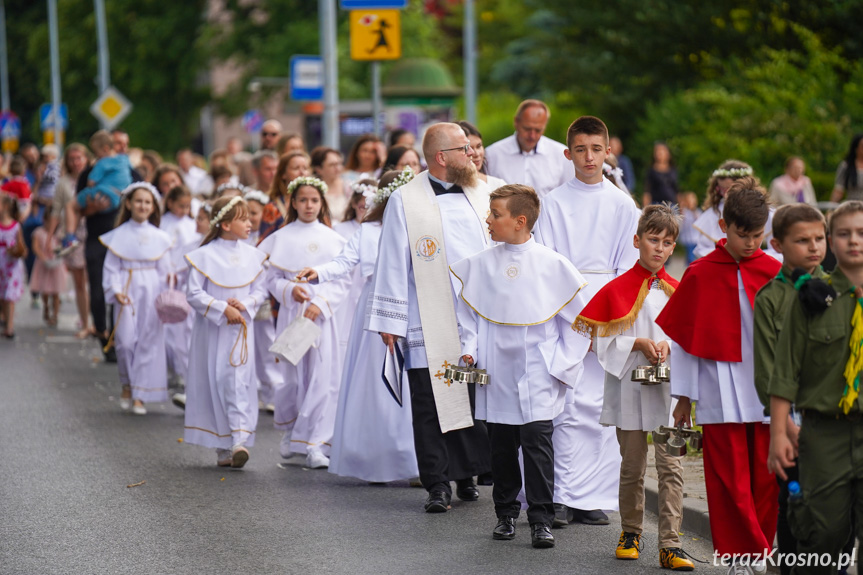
67 455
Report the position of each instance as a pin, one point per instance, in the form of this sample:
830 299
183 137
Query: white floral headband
224 211
256 196
384 193
307 181
364 189
145 185
732 172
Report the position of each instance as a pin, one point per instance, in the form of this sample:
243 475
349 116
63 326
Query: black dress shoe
437 502
540 536
562 515
505 529
466 490
592 517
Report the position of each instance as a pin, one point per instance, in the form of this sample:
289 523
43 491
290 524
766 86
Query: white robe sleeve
627 254
257 295
328 296
684 373
571 348
164 267
468 327
112 283
389 306
343 263
280 286
615 354
211 308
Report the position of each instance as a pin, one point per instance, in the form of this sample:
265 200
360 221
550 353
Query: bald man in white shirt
528 157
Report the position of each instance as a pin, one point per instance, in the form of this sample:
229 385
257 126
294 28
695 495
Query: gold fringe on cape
591 328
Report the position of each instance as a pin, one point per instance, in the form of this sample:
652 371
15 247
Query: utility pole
55 71
5 104
469 55
329 53
102 35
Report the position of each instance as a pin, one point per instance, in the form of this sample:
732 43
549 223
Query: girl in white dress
135 272
182 229
348 227
306 403
269 372
383 451
225 287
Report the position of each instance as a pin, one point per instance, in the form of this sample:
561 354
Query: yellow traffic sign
111 107
376 35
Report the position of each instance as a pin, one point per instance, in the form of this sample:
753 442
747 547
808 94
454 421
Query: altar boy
622 316
516 306
710 320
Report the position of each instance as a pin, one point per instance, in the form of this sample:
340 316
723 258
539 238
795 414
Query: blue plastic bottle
794 491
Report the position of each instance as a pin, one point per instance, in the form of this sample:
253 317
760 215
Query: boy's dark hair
590 125
746 205
846 209
520 200
658 218
790 214
18 166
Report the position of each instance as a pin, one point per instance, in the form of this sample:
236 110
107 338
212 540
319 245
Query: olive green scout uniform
811 355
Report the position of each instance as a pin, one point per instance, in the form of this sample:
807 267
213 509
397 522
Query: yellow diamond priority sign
376 35
111 108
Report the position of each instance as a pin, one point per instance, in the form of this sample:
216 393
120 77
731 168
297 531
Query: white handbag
298 337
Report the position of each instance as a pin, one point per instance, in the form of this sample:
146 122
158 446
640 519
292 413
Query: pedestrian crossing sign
376 35
111 108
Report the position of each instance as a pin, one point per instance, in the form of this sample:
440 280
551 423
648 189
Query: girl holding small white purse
226 285
306 403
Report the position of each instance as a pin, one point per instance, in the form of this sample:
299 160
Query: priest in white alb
433 221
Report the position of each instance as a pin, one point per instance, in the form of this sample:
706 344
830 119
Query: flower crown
383 194
732 172
256 196
137 185
307 181
365 189
224 211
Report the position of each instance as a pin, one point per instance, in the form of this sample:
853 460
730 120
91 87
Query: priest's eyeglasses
464 149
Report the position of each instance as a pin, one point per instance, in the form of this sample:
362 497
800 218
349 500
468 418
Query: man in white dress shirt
528 157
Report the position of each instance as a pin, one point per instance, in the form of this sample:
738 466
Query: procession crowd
476 315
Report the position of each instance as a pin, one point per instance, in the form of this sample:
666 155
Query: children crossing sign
111 108
376 35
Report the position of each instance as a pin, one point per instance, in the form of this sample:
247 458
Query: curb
695 517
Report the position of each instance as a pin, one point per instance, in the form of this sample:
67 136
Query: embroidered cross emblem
440 374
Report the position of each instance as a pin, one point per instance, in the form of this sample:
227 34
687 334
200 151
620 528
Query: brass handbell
674 439
461 375
641 373
662 372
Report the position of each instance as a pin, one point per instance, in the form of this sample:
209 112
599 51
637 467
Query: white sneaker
125 403
759 567
179 399
285 446
315 459
270 408
739 569
139 410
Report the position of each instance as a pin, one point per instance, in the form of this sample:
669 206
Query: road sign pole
327 16
104 61
376 98
470 80
55 71
4 62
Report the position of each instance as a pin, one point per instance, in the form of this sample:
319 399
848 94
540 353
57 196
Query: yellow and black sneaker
628 546
673 558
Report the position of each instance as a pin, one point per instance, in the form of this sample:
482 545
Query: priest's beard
464 176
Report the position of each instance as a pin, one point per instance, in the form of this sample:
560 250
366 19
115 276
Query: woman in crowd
849 174
363 160
328 164
478 157
661 183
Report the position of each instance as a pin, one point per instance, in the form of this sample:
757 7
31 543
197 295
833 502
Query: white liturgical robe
516 308
708 232
592 225
543 168
630 405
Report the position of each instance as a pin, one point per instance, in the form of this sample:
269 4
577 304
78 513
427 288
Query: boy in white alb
590 222
517 302
621 316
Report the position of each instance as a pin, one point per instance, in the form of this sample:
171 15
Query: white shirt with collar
544 168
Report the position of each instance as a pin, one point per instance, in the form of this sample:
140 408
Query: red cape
615 307
703 316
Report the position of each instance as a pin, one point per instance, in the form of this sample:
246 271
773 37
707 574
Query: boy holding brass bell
710 322
516 304
633 351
